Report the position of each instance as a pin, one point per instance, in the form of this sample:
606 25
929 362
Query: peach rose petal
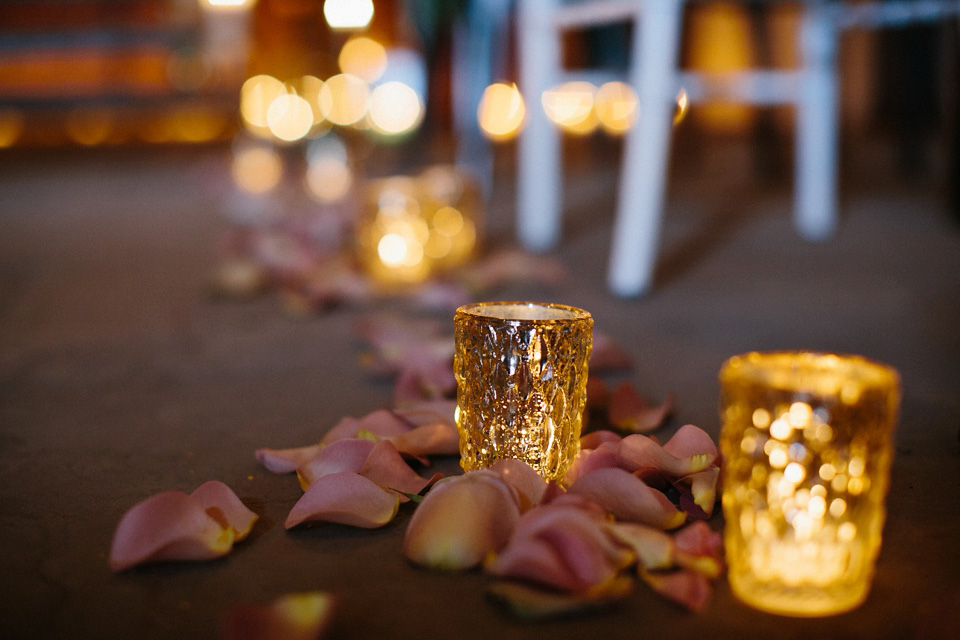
345 498
387 469
703 489
653 548
286 460
628 498
527 482
429 412
698 548
532 603
630 411
168 526
436 439
589 460
427 382
380 423
594 439
295 616
223 505
642 455
461 521
687 588
348 454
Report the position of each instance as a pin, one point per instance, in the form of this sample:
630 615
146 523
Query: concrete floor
120 378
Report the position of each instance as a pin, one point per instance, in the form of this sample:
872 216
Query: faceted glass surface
807 447
521 383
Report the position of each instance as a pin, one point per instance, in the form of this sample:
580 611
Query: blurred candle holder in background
807 441
413 227
521 373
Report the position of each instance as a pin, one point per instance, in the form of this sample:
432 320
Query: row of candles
806 443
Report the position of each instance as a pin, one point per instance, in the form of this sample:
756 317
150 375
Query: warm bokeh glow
570 106
348 14
256 96
344 99
289 117
501 112
229 5
11 127
364 58
394 108
617 107
257 169
89 127
683 107
309 89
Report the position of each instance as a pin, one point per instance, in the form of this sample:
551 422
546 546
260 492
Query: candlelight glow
344 99
256 169
617 107
394 108
89 127
11 126
363 57
501 112
229 5
309 89
256 96
570 106
348 14
289 117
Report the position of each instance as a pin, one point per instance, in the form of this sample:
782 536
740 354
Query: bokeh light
363 57
256 96
89 127
501 112
309 88
289 117
344 99
11 127
394 108
570 106
616 105
328 178
348 14
229 5
256 168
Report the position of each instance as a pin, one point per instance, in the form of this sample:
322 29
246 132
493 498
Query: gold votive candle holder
807 443
453 208
521 373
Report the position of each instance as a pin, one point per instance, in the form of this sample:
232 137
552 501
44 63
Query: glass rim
564 314
761 366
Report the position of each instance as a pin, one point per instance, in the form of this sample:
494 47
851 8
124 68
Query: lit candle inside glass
807 445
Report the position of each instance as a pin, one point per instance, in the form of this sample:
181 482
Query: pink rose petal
690 440
628 498
345 498
686 588
590 460
527 482
386 468
223 505
296 616
429 382
348 454
461 521
429 412
380 423
628 410
286 460
437 439
703 486
168 526
532 603
642 455
594 439
698 548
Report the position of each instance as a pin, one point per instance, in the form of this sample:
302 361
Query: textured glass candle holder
807 443
521 383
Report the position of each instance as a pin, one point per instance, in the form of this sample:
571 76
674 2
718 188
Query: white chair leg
539 161
643 176
815 207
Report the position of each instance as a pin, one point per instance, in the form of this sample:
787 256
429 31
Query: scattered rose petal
521 476
386 468
461 521
532 603
698 548
168 526
590 460
401 344
607 354
687 588
348 454
287 460
429 383
381 423
642 455
561 547
628 498
345 498
690 440
594 439
296 616
428 412
436 439
223 505
654 548
703 489
628 410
